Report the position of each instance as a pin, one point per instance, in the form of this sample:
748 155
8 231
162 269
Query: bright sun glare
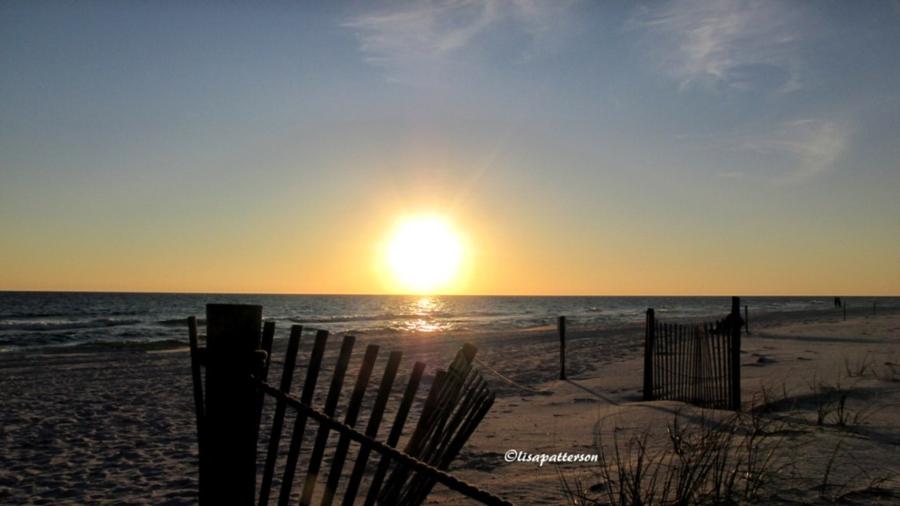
424 254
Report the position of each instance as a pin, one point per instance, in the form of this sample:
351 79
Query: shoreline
105 320
574 329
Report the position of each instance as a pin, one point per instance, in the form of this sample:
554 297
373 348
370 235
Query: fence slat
262 372
659 375
398 477
670 361
287 376
664 373
468 418
723 382
692 333
396 430
676 363
683 363
708 371
458 378
444 429
715 384
384 392
735 331
309 387
195 373
702 369
334 394
436 427
340 452
679 390
657 392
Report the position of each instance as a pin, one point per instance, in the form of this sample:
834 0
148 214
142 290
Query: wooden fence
695 363
229 404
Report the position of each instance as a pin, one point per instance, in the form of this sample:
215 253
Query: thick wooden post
561 325
228 442
735 329
649 336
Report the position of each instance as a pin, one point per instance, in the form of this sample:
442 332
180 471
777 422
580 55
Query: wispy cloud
792 151
749 45
812 146
414 39
732 43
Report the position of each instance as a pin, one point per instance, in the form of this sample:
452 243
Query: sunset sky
685 147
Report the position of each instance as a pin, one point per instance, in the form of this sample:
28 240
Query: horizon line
360 294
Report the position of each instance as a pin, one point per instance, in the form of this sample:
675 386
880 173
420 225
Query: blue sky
760 137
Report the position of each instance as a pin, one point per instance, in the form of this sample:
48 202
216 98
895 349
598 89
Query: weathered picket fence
695 363
229 404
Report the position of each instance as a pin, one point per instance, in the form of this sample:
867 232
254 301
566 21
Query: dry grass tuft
703 462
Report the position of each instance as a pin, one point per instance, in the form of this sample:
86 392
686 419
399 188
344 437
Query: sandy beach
475 185
117 425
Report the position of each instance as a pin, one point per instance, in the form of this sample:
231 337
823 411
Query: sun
424 254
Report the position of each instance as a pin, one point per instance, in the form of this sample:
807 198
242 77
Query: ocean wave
9 345
434 315
179 322
337 319
133 344
29 314
40 339
64 325
356 318
131 312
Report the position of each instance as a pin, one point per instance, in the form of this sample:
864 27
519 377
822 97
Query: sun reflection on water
426 304
427 309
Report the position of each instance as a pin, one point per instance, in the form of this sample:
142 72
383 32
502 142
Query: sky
609 148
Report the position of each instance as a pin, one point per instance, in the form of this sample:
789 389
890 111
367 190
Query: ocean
54 319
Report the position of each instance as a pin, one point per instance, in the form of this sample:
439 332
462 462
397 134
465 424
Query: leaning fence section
312 451
695 363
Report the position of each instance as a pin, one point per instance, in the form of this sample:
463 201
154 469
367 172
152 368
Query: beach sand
107 425
862 355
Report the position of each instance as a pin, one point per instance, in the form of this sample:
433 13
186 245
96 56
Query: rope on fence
543 391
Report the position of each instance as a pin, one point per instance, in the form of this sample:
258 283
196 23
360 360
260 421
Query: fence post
735 329
844 307
649 337
561 325
228 441
747 319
